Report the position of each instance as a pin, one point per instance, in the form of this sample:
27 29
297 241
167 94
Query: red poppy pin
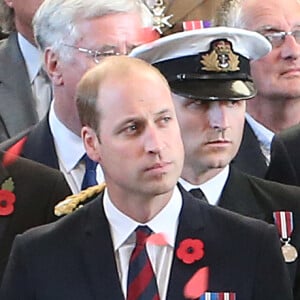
7 197
190 250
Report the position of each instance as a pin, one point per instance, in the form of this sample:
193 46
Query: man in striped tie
143 238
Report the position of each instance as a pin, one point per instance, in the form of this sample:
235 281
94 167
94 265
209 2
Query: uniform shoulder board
73 202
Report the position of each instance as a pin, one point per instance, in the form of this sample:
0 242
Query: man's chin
219 164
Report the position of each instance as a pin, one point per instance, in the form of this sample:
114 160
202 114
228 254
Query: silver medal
289 252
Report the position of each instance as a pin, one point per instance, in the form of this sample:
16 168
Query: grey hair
55 20
231 14
7 15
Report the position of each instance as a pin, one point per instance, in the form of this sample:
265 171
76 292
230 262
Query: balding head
115 71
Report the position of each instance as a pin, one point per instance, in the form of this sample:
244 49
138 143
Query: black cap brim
211 89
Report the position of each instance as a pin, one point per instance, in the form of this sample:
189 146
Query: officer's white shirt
212 189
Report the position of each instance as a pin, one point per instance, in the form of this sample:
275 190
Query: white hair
55 20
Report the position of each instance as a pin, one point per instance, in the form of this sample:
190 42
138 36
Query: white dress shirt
34 62
212 189
70 150
264 136
122 231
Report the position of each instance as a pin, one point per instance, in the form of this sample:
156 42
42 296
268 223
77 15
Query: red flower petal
13 152
197 285
157 239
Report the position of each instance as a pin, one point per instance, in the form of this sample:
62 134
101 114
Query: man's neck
27 33
66 113
138 206
276 115
199 177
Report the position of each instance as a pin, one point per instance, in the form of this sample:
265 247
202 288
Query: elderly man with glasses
74 36
277 75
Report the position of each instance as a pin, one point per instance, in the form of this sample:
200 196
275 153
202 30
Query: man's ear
91 143
52 66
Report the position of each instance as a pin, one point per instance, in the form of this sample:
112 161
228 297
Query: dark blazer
259 198
285 159
39 144
37 189
17 105
73 258
250 158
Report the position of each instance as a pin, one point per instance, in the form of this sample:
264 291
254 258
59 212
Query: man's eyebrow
139 119
268 28
163 111
106 47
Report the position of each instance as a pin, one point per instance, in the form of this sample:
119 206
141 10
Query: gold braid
73 202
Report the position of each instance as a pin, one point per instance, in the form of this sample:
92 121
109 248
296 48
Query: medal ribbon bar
218 296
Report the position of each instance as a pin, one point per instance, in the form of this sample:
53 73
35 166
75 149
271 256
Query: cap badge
221 58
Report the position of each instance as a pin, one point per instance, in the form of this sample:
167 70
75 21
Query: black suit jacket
259 198
73 258
39 144
17 105
250 158
285 159
37 189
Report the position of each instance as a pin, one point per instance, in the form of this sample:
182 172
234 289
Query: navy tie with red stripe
141 282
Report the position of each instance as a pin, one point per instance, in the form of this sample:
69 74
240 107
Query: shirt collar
263 134
32 57
69 146
212 188
166 221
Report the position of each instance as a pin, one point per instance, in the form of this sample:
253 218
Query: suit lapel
4 220
40 145
191 225
250 159
14 79
97 247
238 196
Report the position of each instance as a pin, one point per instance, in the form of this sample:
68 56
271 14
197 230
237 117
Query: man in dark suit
36 189
276 105
23 102
285 163
116 28
129 124
210 98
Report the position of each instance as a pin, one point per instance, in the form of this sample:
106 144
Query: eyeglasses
278 38
96 55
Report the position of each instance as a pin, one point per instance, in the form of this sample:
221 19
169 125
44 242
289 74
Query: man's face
211 132
140 148
24 12
117 32
276 75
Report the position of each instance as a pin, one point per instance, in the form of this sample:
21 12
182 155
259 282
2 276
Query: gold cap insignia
221 58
